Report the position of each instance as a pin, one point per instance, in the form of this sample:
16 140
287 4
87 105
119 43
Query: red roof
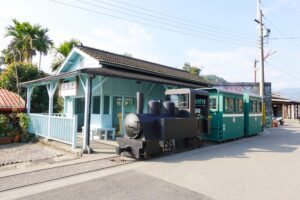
10 100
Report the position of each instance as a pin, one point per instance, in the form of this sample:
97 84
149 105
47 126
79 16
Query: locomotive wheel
146 155
167 145
180 144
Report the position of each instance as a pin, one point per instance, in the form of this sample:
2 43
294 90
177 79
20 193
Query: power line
182 19
186 23
282 33
168 23
150 25
282 70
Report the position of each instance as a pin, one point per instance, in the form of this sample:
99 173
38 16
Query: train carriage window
253 106
239 105
258 106
200 102
213 103
180 100
201 106
229 105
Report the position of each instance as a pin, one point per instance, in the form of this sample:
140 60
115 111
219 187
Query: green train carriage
253 114
226 115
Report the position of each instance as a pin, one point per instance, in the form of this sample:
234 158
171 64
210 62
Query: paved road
125 185
262 167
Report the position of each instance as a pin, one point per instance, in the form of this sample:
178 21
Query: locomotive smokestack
139 103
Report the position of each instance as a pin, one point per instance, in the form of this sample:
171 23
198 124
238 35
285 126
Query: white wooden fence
59 128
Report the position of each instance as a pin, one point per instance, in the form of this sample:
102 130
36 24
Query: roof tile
141 65
10 100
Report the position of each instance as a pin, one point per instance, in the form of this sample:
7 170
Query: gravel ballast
25 152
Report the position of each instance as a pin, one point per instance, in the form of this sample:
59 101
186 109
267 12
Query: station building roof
120 66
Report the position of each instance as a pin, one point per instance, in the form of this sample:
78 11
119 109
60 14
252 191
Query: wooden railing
59 128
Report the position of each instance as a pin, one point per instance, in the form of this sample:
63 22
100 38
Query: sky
218 36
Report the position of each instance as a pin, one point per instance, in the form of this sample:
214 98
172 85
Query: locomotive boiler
180 119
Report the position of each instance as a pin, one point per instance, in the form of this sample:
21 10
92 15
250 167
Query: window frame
239 105
227 101
93 105
216 100
177 104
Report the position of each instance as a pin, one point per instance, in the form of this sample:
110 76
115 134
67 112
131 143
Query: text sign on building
68 89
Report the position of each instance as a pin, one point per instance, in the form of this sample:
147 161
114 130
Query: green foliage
3 123
214 79
23 122
62 51
192 69
42 42
128 55
6 57
26 72
26 40
66 47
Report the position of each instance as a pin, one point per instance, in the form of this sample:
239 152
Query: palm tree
42 43
27 39
62 51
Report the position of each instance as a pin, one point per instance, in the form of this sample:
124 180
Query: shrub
23 122
3 124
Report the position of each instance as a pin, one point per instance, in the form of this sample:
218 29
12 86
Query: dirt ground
16 155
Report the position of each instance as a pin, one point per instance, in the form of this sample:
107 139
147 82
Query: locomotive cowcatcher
182 118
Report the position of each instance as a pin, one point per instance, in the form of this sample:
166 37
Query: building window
213 103
106 105
79 105
96 104
129 101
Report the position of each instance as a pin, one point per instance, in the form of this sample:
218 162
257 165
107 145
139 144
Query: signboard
68 89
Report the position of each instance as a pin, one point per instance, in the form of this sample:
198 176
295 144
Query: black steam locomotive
175 122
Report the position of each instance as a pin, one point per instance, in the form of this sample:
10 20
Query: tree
214 79
62 51
43 43
26 40
26 72
6 57
192 69
128 55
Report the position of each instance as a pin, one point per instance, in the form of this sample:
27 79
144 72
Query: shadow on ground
279 140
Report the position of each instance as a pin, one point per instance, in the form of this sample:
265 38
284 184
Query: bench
97 130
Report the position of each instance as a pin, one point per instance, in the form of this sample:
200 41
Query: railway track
46 175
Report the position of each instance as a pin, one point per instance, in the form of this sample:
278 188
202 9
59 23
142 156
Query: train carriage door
201 112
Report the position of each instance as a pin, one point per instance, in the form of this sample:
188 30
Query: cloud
234 66
118 37
279 4
237 66
125 37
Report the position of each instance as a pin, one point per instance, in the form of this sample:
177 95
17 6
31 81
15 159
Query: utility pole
259 20
255 69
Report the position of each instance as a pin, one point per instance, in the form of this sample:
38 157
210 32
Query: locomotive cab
191 103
